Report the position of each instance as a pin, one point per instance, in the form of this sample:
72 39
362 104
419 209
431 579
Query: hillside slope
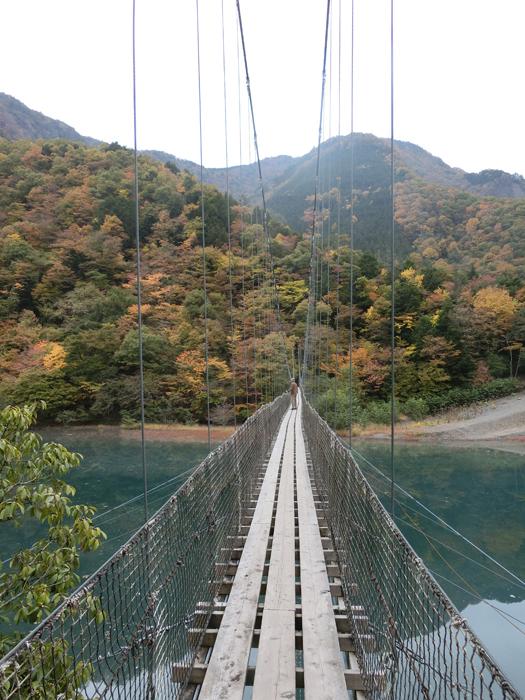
19 122
68 307
242 179
488 183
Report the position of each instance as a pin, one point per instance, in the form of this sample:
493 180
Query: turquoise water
480 491
111 474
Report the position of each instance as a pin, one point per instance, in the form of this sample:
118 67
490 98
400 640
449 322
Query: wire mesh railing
410 641
120 634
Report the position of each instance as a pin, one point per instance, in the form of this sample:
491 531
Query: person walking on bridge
293 393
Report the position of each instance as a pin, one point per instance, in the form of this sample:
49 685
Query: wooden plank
226 674
198 673
209 638
352 679
324 678
275 670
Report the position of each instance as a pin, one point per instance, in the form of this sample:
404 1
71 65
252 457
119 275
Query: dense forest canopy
68 307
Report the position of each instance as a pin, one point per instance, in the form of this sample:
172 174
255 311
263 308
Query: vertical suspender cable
264 317
253 310
392 280
139 300
338 221
392 330
244 316
316 195
321 259
320 305
315 292
150 688
328 244
203 234
229 222
266 324
260 308
261 379
351 231
314 308
265 212
242 233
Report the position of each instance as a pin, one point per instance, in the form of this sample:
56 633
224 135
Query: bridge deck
268 621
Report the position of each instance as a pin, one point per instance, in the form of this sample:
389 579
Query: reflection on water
480 491
503 640
111 474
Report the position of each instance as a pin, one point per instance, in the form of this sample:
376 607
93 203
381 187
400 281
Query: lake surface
111 474
478 490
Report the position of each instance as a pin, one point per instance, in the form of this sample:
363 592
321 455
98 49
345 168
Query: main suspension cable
265 211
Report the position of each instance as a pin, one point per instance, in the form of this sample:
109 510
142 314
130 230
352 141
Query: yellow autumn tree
495 308
486 319
55 357
188 385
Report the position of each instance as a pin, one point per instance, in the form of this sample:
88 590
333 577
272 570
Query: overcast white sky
458 74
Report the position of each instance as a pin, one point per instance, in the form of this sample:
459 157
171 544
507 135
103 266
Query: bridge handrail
410 640
119 633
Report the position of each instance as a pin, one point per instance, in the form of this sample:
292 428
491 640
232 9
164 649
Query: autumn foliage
68 304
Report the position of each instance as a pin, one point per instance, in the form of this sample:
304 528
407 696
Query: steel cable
265 212
203 234
228 206
139 299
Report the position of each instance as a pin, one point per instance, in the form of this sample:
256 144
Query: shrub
465 397
381 411
415 409
68 417
336 412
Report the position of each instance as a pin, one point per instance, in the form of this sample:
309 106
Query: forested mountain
489 183
68 326
19 122
287 180
241 179
413 165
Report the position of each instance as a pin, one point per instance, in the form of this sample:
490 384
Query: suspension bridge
274 572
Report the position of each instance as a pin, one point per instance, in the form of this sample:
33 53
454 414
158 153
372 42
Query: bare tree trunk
518 363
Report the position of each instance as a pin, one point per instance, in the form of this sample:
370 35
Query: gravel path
496 420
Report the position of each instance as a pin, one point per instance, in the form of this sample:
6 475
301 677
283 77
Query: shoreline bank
501 421
160 433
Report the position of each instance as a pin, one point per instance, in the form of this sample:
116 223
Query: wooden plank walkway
258 637
323 667
275 671
226 674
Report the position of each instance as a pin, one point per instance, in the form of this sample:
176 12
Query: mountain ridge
17 121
